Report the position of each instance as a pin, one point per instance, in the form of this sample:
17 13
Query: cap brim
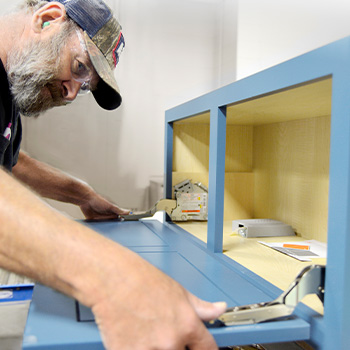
107 93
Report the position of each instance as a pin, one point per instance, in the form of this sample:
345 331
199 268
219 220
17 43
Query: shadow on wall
84 141
147 197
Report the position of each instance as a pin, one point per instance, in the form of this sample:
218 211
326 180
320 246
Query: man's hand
52 183
136 305
155 313
98 208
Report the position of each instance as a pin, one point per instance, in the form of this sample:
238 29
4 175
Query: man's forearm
50 182
46 246
40 243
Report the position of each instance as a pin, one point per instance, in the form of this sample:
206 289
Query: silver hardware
191 203
309 281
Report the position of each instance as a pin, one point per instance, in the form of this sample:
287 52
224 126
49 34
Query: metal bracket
167 205
190 204
310 280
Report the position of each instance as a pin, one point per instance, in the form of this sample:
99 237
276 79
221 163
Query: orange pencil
296 246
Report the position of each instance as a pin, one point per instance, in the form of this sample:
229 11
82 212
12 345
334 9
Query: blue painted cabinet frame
333 60
203 268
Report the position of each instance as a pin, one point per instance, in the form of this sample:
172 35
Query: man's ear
53 12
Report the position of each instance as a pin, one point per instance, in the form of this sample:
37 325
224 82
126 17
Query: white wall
174 52
273 31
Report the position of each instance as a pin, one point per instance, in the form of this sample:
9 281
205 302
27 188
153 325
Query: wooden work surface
277 268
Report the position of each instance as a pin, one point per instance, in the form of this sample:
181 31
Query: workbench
274 145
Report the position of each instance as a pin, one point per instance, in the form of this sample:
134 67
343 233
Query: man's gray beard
34 67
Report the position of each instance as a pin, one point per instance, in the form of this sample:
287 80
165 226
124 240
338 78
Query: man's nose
70 89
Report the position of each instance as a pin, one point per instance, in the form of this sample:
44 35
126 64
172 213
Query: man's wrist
79 192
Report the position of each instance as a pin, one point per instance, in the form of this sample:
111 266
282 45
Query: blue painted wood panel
129 234
52 320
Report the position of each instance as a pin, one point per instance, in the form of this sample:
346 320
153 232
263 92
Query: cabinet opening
277 158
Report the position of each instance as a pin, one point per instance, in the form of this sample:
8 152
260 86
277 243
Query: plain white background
175 51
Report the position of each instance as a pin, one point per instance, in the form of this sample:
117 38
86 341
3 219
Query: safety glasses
81 67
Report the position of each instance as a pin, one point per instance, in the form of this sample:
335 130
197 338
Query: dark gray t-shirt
9 149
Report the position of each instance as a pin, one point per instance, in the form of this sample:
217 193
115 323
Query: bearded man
50 51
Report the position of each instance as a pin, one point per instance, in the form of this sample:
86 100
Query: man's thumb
207 311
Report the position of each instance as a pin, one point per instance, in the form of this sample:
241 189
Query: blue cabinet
286 132
277 145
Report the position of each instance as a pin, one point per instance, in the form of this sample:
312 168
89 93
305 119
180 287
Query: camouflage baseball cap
104 42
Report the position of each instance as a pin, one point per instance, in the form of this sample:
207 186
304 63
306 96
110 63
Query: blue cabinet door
52 321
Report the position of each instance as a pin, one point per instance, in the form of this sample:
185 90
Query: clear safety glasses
82 69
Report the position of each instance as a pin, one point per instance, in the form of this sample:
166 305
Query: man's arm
136 306
51 183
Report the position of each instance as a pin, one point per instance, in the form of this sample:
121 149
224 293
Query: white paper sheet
317 249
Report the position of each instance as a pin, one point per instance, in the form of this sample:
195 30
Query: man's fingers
207 311
121 211
203 340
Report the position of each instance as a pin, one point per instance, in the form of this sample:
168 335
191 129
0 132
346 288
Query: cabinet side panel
239 148
239 196
291 169
191 148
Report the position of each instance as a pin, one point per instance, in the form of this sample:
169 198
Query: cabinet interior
277 156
